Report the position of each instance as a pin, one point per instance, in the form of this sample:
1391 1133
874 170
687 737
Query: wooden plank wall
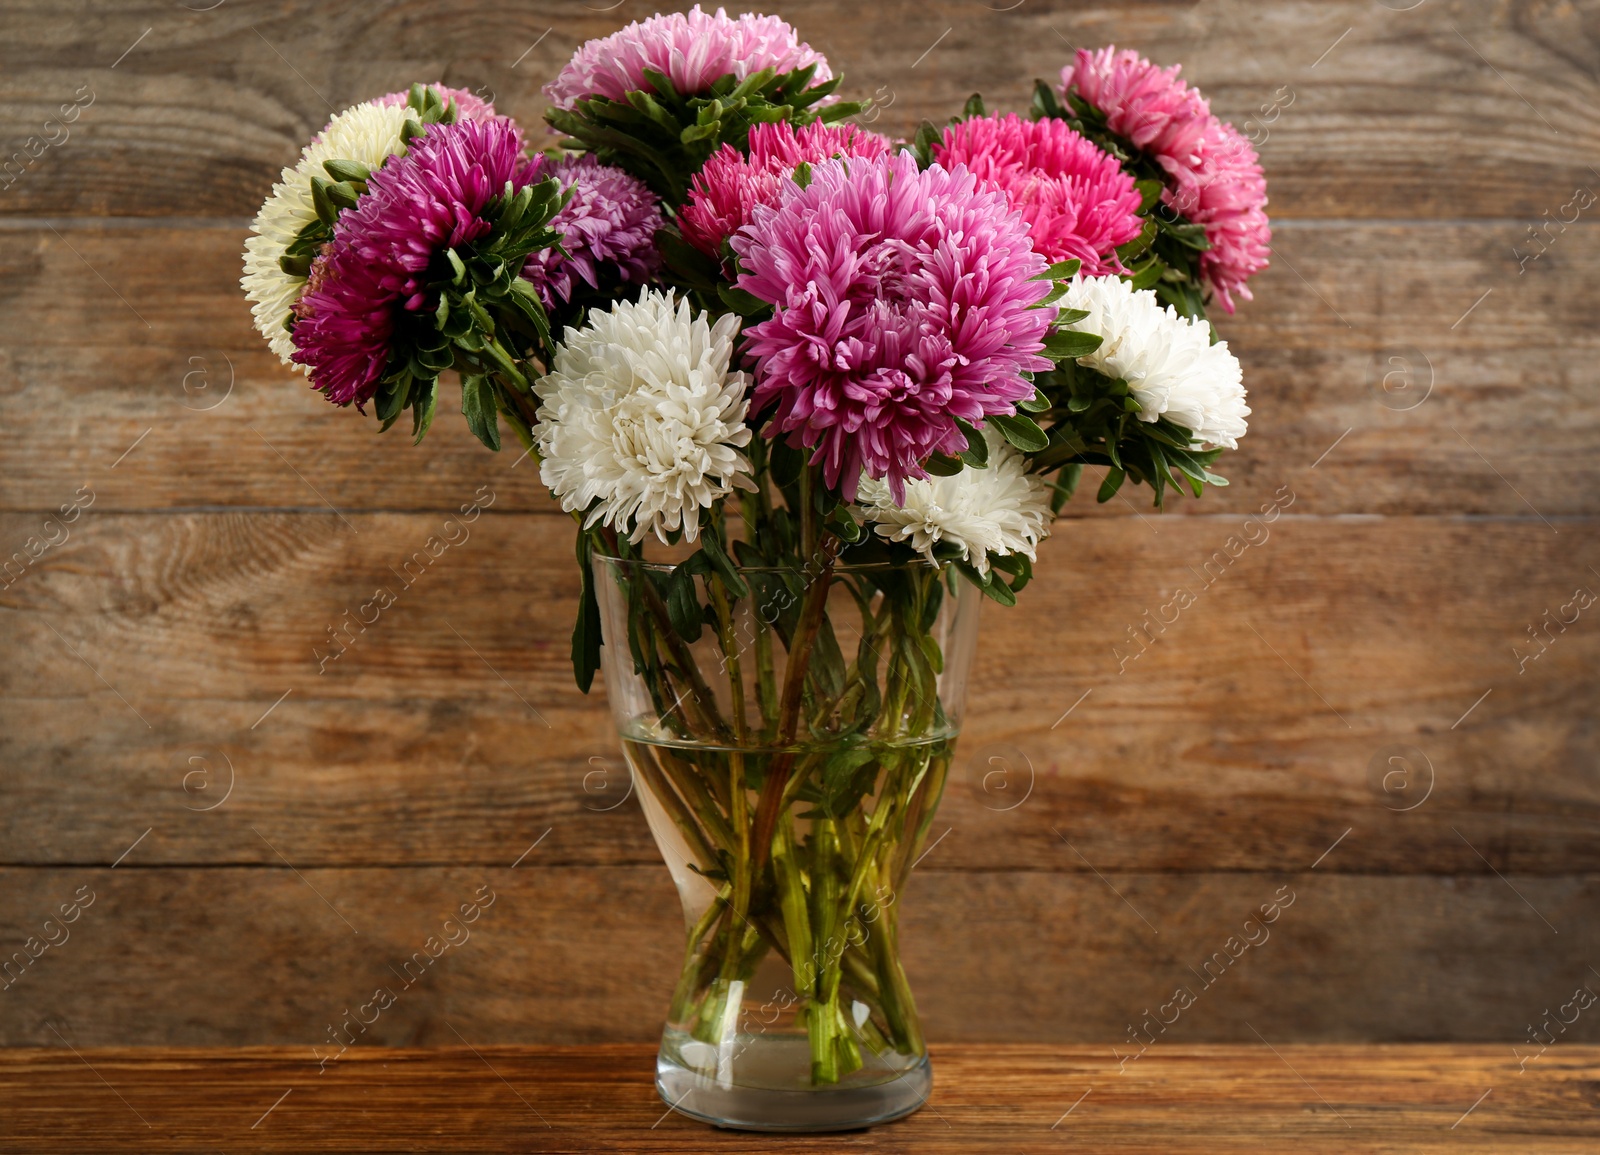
256 843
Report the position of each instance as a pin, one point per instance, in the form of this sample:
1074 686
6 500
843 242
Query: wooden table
1018 1098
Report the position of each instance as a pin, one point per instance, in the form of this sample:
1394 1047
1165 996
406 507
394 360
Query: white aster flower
1168 361
642 418
368 133
1000 509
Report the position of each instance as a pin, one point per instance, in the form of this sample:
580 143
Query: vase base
741 1108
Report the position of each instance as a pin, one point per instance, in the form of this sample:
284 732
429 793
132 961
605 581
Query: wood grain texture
198 119
1494 414
1341 711
1246 735
1196 1100
586 954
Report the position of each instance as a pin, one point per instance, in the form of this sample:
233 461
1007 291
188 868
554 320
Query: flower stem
794 677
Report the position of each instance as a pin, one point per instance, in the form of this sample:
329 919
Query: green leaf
1044 101
977 452
1015 564
1066 485
1147 273
1023 432
698 132
683 604
478 406
326 212
843 524
989 583
1057 291
744 303
392 398
689 264
1070 316
1061 271
1109 487
1038 403
344 196
1070 344
943 465
927 137
661 83
350 171
787 462
759 80
586 633
456 264
973 107
423 404
723 564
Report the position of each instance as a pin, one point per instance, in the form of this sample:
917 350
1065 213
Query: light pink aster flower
692 49
1074 195
902 300
1214 177
608 227
730 185
376 264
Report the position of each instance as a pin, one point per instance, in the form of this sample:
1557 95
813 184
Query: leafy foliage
664 137
486 322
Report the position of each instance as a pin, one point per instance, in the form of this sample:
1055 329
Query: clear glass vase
790 733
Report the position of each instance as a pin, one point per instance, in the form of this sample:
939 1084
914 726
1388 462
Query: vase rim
838 568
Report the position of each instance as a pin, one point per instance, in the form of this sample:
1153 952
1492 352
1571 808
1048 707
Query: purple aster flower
609 226
415 206
903 300
692 49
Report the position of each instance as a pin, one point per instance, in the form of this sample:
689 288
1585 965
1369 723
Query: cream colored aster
1168 361
998 509
368 133
641 418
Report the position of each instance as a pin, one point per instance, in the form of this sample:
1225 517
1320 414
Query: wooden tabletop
1018 1098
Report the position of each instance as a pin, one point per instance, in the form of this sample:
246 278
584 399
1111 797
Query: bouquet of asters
809 393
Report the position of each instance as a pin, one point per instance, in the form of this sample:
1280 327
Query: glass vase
790 734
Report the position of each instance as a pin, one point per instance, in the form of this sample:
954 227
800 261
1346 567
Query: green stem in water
811 615
738 799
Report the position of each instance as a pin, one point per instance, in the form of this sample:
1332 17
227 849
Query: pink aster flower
903 300
376 264
1074 195
730 185
1228 195
609 226
692 49
1214 177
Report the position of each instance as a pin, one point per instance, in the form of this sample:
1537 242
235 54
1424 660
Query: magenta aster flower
609 226
730 185
1214 177
1074 195
903 300
692 49
416 206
